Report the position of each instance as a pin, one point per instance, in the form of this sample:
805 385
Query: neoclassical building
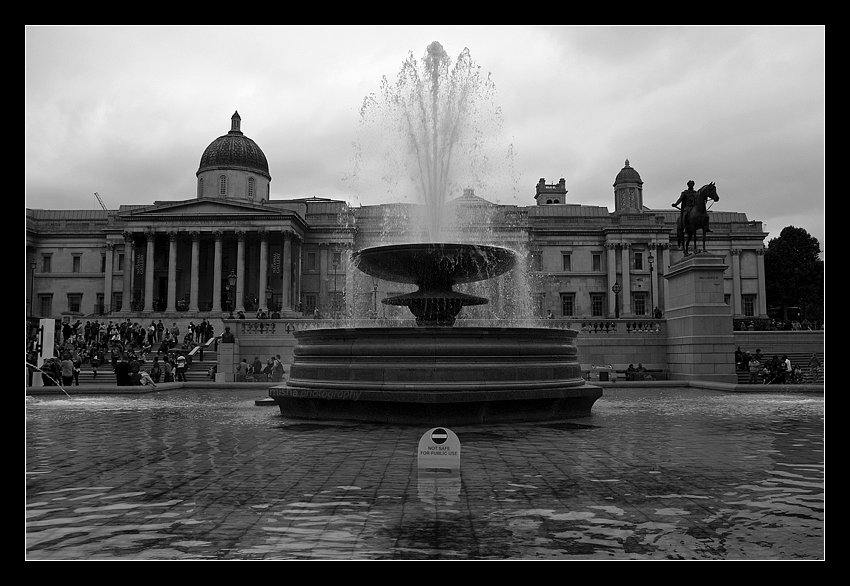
232 248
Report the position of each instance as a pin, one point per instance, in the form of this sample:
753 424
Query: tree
794 273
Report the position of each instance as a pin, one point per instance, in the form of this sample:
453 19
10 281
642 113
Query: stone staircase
197 372
797 360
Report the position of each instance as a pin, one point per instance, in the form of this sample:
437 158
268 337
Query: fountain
436 372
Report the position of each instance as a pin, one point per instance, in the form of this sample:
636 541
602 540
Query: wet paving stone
656 474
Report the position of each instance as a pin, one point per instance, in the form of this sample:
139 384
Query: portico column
626 284
216 300
286 269
107 277
129 266
194 277
171 303
612 277
264 264
762 311
150 236
240 271
737 310
299 248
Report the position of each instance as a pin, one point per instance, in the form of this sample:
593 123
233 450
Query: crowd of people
256 371
121 345
775 325
776 369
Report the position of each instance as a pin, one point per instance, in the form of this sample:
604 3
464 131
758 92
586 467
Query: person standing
181 368
67 370
814 368
257 368
755 367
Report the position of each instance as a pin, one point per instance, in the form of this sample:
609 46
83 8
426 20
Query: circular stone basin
435 268
439 376
436 264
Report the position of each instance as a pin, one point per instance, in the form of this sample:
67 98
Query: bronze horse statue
696 218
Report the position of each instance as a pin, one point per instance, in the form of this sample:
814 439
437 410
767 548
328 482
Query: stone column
737 309
627 284
129 266
107 278
216 300
611 250
762 306
239 303
286 270
700 340
150 237
264 269
195 276
299 265
172 272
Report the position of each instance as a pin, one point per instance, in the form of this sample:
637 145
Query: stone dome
627 175
234 150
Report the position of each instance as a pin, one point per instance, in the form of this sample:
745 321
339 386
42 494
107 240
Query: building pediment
203 208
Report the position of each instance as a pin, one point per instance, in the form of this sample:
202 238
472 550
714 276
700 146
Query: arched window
222 185
250 188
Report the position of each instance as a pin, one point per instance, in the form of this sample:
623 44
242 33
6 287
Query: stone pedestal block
700 342
226 363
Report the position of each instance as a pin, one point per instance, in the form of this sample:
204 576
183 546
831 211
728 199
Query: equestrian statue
693 215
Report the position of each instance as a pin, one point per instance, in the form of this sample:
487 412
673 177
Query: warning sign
439 451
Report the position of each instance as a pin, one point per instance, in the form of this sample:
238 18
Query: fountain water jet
435 373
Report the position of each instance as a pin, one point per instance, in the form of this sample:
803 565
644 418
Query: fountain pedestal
444 376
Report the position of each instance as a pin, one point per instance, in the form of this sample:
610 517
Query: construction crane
100 201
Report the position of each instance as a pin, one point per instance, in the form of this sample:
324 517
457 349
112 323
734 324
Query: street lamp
616 289
231 282
375 293
336 266
651 260
32 284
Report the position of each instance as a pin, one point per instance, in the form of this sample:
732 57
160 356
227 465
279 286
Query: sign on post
439 451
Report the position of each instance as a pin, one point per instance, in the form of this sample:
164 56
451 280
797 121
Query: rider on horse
688 200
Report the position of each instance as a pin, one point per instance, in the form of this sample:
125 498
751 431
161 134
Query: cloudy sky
128 111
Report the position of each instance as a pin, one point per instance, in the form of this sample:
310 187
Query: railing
600 327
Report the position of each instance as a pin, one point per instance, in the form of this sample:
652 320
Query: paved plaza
652 474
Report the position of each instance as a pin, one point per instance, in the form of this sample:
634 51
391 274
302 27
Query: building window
99 309
117 301
45 305
539 304
336 261
596 262
222 185
640 303
727 299
102 263
75 301
638 261
311 261
250 188
597 304
749 305
310 302
568 304
75 263
45 264
566 262
120 261
536 261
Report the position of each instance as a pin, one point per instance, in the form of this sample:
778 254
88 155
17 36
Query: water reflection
652 474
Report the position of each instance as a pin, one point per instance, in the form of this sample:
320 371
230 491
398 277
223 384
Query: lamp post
375 299
32 284
616 289
231 282
651 260
336 266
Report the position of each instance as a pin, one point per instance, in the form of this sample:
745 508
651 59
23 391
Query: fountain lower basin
434 375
